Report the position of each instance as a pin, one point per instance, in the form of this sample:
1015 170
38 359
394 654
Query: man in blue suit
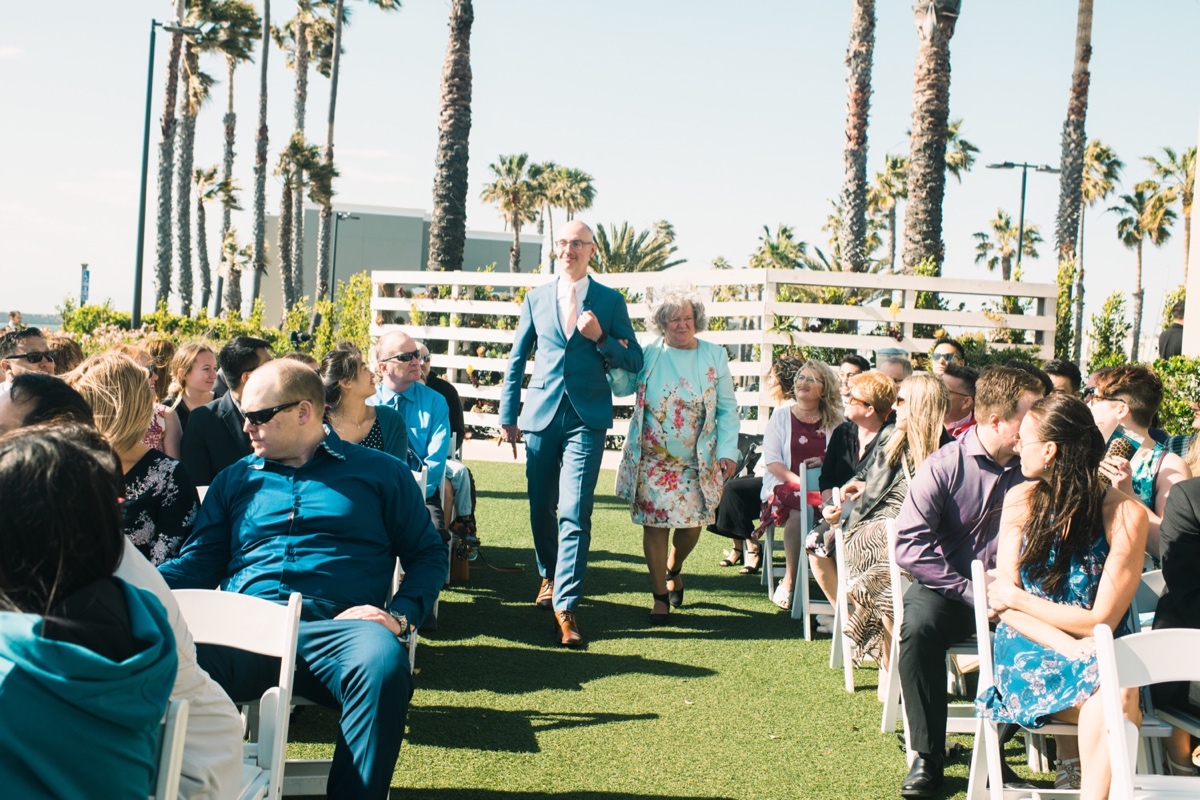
579 327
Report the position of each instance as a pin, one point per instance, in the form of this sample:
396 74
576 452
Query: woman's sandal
751 569
732 558
675 596
661 619
1176 768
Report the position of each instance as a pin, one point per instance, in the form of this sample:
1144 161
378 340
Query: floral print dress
668 491
1034 681
160 506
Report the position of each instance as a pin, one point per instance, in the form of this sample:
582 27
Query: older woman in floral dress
682 442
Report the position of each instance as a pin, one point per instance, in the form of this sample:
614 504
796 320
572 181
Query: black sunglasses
404 357
265 415
34 358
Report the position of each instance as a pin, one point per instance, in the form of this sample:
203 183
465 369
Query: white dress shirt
564 302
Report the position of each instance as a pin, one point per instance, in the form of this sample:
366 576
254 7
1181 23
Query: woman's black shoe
675 596
661 619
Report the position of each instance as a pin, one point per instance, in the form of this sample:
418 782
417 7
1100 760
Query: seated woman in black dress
160 498
349 382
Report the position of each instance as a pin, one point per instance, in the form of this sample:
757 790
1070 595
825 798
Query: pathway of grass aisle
728 701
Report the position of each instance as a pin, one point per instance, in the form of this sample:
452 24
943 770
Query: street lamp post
141 231
337 217
1024 177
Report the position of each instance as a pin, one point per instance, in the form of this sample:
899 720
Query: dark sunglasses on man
35 357
265 415
404 357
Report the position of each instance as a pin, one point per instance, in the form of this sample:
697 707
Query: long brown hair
926 406
1066 507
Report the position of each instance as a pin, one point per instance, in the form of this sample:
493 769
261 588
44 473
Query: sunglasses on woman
265 415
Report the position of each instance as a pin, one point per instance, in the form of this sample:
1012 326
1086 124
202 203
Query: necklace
339 420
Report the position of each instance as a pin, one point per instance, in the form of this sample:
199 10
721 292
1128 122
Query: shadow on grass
488 729
526 670
498 794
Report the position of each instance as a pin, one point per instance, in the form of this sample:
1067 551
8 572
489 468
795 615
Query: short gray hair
902 362
674 300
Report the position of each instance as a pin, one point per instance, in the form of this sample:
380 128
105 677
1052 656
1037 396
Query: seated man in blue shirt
398 359
310 513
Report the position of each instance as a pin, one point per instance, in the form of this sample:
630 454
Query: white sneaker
782 597
824 620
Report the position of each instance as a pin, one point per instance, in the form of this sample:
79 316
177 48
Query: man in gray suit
579 327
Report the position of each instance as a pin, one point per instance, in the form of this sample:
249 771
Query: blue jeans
357 666
562 464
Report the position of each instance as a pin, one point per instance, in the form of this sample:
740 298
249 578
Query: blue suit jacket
571 365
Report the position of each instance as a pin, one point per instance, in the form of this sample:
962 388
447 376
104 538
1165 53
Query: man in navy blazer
579 327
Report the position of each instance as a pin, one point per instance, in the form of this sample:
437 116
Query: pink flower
712 374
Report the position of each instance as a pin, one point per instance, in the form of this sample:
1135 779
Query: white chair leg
977 774
767 546
800 594
891 697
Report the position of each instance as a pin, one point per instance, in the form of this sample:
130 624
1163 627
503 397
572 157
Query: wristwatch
402 621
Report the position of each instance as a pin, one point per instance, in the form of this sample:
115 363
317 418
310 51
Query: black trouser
932 623
739 508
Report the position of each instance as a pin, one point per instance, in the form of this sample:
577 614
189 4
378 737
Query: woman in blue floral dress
682 442
1069 556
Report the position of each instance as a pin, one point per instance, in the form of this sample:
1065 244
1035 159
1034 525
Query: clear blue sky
719 117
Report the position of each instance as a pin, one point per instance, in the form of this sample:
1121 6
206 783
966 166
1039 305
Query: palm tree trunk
891 220
325 223
285 252
202 256
1187 244
166 170
448 223
927 156
1137 307
260 175
550 222
183 179
852 233
514 253
1074 140
301 101
230 121
1077 351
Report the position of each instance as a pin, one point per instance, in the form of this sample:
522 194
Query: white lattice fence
751 319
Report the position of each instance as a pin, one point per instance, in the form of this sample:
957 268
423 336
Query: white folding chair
170 751
802 604
960 717
1135 661
257 626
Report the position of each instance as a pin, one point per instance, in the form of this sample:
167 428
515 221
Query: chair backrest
257 626
170 750
1149 590
421 476
983 631
1133 661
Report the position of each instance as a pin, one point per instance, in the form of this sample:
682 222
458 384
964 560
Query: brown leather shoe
545 595
567 628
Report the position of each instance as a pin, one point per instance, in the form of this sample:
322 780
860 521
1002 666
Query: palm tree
998 249
927 157
1146 214
1178 173
300 158
891 186
238 26
1101 171
196 92
549 190
448 222
260 177
626 250
960 153
207 188
779 250
852 233
517 197
166 164
578 193
234 261
1074 142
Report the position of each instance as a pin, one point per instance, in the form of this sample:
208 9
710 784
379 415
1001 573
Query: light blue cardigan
718 438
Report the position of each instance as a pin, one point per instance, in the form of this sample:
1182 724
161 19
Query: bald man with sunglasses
310 513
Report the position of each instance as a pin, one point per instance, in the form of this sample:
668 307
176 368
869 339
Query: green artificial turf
728 701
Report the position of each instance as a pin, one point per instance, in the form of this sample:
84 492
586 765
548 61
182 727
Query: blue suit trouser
357 666
562 463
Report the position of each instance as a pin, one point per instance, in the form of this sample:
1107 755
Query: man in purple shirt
950 518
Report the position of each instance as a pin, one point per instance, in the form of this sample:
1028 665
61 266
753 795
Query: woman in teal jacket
682 442
86 660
